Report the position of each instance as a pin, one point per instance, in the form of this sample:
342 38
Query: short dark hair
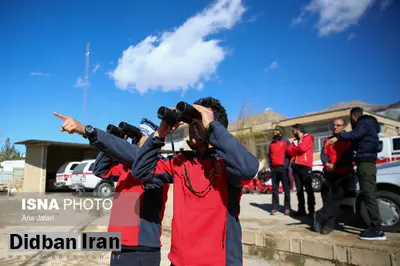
299 127
217 108
357 111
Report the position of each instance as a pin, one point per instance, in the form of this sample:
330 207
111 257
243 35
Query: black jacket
364 137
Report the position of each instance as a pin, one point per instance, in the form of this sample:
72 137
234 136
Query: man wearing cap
278 161
136 214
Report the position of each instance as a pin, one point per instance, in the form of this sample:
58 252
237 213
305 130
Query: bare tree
242 123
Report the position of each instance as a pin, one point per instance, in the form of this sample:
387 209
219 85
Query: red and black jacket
340 154
276 154
303 152
207 192
140 227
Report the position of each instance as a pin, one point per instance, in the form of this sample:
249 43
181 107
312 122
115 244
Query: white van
83 179
389 152
388 196
64 174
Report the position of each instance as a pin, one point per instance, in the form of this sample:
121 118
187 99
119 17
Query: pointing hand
71 125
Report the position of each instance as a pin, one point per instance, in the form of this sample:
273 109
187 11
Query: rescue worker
301 150
207 187
365 139
140 228
338 170
278 162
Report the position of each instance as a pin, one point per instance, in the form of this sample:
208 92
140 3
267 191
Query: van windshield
79 168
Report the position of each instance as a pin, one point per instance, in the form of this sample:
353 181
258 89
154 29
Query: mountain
248 119
364 105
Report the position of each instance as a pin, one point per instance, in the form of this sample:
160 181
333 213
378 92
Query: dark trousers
366 173
280 174
333 190
133 258
303 179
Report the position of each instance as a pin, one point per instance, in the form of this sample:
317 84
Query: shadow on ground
347 221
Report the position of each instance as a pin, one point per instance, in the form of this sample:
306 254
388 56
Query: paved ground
254 216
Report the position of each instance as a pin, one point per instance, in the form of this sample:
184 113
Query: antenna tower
86 81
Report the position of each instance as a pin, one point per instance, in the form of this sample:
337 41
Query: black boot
328 226
316 224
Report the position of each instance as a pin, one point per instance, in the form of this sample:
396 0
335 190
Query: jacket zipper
223 235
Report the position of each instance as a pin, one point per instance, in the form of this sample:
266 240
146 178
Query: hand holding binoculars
183 112
125 129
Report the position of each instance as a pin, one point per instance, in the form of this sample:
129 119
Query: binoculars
125 129
184 113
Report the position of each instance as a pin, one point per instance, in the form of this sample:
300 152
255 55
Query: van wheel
317 180
389 209
104 190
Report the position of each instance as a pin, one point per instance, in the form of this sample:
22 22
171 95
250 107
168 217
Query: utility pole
86 81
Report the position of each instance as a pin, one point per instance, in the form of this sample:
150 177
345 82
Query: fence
9 177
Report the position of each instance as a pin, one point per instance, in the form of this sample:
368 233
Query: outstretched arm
358 131
114 147
150 167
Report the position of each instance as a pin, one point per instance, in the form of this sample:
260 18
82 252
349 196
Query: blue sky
292 56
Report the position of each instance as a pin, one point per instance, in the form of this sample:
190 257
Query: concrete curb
297 251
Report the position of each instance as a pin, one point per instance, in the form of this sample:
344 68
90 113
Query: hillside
364 105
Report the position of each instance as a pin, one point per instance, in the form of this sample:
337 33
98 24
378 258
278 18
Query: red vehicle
262 184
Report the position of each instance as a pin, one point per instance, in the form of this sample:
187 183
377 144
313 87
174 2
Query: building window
261 149
320 132
382 128
177 135
396 144
319 143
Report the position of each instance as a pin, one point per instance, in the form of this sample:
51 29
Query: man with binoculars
207 183
140 232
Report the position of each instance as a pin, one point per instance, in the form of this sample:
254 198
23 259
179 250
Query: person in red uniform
140 227
301 150
337 159
140 238
278 162
207 187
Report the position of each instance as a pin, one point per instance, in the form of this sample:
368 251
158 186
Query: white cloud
271 66
351 36
180 59
95 68
39 74
300 19
80 83
335 15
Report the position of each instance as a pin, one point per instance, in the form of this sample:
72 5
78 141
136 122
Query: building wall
390 131
35 169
